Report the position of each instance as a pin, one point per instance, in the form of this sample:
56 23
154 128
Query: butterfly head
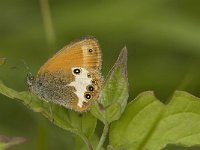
30 80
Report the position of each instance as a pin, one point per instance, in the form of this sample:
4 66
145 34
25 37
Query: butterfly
72 77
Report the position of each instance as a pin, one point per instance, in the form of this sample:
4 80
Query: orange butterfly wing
83 53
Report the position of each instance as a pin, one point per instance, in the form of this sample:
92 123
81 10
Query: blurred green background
162 37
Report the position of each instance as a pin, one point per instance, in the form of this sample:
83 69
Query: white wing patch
80 83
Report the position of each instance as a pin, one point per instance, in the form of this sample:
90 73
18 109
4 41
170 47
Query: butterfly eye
90 50
88 96
30 76
77 71
90 88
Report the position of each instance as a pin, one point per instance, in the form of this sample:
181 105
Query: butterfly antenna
26 66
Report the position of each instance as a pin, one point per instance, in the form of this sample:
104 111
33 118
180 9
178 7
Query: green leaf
81 124
85 123
114 96
6 142
148 124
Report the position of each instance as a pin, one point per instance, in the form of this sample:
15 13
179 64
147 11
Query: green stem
89 145
103 136
48 25
86 141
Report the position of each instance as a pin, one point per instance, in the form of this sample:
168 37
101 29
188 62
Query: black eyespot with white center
90 88
90 50
88 96
77 71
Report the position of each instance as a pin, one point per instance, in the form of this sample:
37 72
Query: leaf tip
122 61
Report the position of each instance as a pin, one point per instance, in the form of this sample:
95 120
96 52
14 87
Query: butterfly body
71 77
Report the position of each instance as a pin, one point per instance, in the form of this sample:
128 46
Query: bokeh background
162 37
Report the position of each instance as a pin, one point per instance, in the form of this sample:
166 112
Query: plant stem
89 145
48 25
103 136
85 140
